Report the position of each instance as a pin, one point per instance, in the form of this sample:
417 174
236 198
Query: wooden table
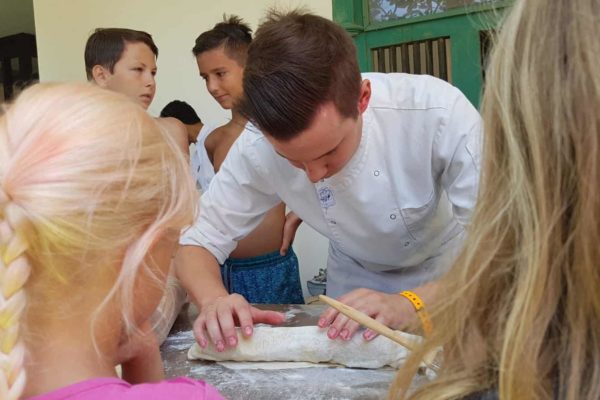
297 383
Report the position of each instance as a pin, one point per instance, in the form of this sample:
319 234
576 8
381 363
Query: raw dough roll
308 343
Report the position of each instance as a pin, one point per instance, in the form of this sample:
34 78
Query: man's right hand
219 316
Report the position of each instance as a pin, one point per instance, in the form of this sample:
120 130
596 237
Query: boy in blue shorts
263 267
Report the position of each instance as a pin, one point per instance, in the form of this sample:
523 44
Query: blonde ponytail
14 272
88 183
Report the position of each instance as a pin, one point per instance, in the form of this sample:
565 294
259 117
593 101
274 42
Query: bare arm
229 211
199 272
291 225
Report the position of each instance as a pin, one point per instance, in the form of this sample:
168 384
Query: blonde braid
14 272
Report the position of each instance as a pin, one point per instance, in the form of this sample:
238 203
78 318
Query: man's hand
198 271
290 226
391 310
218 318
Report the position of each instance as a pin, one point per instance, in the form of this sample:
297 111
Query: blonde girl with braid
521 315
93 194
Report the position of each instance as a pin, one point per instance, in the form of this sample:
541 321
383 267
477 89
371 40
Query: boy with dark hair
195 128
384 165
124 60
182 111
263 267
106 45
233 35
186 114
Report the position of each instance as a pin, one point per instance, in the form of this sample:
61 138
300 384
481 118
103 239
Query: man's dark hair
233 34
106 45
182 111
296 63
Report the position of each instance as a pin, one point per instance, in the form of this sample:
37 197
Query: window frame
462 25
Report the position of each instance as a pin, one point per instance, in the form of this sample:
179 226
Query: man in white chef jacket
384 165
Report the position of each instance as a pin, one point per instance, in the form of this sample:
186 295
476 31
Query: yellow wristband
420 309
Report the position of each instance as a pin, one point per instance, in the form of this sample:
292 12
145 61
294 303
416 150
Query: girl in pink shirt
93 194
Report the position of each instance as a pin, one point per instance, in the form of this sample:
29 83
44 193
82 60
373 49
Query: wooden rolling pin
378 327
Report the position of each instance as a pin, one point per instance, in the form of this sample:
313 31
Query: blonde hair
521 309
87 181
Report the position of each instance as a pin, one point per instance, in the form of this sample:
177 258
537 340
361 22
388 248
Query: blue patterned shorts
265 279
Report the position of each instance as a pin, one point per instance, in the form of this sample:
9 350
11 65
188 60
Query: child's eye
221 74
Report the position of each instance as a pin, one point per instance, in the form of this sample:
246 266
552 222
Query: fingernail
369 335
344 334
248 330
321 323
202 343
232 341
220 346
332 333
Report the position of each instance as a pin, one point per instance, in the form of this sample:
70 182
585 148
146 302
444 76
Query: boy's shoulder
219 133
176 129
222 135
171 124
229 133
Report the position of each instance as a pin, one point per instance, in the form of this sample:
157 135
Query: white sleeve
457 156
235 203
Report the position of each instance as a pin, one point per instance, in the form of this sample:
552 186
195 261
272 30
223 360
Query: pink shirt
118 389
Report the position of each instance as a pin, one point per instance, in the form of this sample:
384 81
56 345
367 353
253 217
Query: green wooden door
444 38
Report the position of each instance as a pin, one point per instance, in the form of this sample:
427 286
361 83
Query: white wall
63 26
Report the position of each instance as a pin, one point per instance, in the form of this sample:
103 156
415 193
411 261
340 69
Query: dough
308 343
269 365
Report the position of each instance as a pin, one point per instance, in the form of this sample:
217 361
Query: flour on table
289 314
238 365
308 344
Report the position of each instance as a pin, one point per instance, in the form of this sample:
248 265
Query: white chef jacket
404 195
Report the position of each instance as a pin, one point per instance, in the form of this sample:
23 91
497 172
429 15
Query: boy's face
223 76
133 75
327 145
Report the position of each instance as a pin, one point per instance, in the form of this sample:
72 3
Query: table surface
295 383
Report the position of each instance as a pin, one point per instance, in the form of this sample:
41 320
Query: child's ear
100 75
